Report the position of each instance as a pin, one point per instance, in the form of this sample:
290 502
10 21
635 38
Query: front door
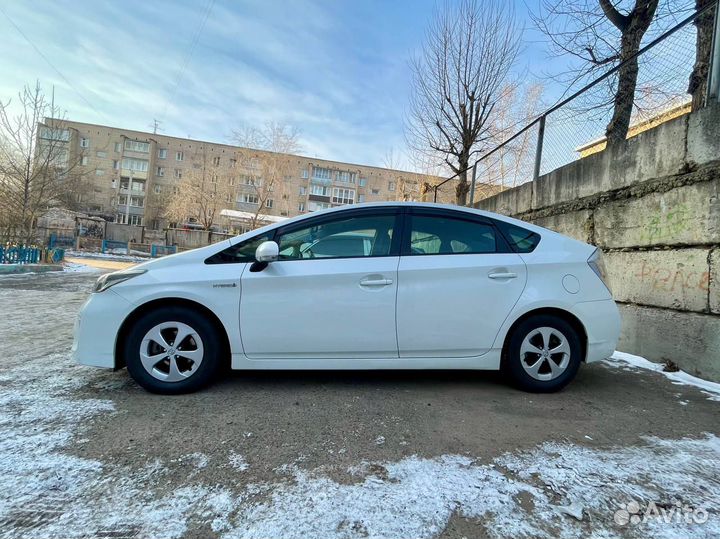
331 294
457 284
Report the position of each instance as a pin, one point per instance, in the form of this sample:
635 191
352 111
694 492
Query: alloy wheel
545 353
171 351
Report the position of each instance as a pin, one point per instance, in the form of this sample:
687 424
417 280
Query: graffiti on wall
673 280
665 226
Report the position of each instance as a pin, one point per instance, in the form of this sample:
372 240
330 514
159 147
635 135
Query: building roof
247 216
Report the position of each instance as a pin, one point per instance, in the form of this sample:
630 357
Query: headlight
111 279
597 264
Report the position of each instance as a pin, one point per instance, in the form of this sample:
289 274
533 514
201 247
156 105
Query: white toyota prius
369 286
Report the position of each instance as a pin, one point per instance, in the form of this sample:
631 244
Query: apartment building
129 176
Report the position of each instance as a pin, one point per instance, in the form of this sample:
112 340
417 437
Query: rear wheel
543 354
172 350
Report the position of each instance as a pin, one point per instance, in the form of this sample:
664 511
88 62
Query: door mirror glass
267 251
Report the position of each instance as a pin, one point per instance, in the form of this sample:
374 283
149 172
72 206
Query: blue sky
338 70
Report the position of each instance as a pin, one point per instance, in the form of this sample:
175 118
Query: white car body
444 311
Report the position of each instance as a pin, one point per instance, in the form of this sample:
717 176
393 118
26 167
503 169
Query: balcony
321 181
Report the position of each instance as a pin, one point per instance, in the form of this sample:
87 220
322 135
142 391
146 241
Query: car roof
397 204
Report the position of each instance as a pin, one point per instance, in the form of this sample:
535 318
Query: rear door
457 282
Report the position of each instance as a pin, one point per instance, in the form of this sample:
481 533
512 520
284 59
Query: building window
250 180
101 154
301 207
84 142
228 198
138 202
160 171
137 146
84 160
249 198
346 177
315 206
138 165
320 190
375 191
113 183
216 161
155 224
363 182
322 173
162 153
233 162
391 186
118 147
304 174
231 181
269 203
158 189
303 190
361 198
48 133
136 220
179 156
99 172
343 196
116 164
213 178
178 173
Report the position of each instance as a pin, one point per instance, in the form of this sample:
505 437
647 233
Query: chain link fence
575 126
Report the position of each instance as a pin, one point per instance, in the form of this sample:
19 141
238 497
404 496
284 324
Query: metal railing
574 126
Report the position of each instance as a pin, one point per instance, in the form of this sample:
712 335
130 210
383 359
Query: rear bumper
96 329
602 325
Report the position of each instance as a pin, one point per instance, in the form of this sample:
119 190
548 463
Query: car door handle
375 282
502 275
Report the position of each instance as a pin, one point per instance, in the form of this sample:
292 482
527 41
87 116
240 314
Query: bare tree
600 34
513 163
36 168
697 85
203 192
458 81
265 157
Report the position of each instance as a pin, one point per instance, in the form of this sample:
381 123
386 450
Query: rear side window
436 235
520 239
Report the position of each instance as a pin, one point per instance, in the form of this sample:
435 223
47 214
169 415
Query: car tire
159 363
543 354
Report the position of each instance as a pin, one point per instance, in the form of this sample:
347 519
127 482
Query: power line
188 55
49 62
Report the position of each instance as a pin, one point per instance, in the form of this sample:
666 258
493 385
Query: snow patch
621 359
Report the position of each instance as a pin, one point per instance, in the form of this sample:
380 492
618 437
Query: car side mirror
267 251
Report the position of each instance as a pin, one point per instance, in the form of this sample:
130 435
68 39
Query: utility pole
156 126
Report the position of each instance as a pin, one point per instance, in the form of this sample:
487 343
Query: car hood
194 255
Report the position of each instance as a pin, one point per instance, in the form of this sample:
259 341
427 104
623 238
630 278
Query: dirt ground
87 453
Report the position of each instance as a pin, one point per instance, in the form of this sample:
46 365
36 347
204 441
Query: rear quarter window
521 239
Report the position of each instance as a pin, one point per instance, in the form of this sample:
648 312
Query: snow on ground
621 359
72 267
47 492
120 257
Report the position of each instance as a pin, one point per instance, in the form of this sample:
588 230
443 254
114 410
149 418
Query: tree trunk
617 129
697 84
462 188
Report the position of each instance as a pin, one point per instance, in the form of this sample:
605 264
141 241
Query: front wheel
172 350
543 354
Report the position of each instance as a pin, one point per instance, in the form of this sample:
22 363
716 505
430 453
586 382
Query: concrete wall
653 206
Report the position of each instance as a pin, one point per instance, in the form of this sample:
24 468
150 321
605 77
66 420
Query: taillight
597 263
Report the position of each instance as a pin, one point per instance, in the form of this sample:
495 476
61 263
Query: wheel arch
569 317
151 305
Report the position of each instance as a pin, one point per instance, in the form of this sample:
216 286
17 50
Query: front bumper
602 325
96 329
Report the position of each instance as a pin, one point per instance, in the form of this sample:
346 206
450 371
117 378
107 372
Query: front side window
346 238
137 146
243 252
440 235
